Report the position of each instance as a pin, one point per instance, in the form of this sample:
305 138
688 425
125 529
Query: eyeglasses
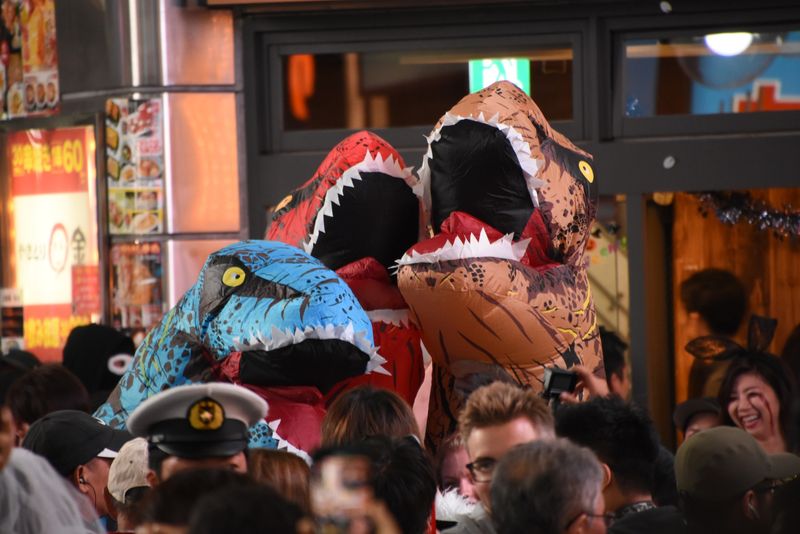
482 469
608 519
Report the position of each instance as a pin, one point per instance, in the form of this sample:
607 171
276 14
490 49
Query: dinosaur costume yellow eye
233 277
586 171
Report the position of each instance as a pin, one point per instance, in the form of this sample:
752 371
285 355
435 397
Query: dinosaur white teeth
398 318
530 166
472 247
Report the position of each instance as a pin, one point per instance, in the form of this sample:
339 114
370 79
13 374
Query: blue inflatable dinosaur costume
262 314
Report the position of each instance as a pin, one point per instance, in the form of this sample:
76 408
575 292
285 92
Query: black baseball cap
686 410
20 359
69 438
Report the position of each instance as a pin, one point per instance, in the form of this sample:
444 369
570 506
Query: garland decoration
730 207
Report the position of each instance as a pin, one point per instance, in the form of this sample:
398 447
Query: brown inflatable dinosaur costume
501 290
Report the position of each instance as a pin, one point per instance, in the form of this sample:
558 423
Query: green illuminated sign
484 72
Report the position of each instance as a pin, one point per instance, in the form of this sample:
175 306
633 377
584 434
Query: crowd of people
591 463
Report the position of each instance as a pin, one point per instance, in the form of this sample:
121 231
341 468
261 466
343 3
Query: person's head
715 301
394 471
169 506
725 480
495 419
80 448
623 438
617 371
451 467
98 355
695 415
756 394
365 411
548 487
127 483
197 426
42 390
244 510
283 471
35 499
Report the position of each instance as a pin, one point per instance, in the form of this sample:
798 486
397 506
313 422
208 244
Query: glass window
712 73
412 88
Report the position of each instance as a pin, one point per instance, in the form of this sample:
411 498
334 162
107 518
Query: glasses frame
473 472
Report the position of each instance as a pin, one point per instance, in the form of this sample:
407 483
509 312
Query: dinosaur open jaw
446 247
320 356
371 211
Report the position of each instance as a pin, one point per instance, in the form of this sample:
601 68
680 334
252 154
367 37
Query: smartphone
558 381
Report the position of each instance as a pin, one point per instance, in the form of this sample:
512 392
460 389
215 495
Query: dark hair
46 389
539 487
621 435
718 296
8 376
244 510
613 353
283 471
132 507
703 515
772 370
172 501
155 457
402 476
365 411
404 479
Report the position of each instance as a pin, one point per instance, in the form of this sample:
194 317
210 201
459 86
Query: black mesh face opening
313 362
474 169
378 217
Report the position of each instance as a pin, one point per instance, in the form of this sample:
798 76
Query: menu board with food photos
136 285
28 58
135 166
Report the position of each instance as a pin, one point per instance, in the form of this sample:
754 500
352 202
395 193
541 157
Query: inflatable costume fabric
501 290
358 214
265 315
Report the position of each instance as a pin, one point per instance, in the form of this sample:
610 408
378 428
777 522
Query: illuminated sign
54 233
484 72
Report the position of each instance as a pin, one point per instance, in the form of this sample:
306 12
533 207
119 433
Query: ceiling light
728 44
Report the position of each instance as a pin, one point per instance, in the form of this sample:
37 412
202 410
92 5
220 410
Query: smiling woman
756 394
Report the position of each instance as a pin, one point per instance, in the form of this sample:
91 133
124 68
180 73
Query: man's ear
79 480
579 526
750 505
608 476
21 431
152 478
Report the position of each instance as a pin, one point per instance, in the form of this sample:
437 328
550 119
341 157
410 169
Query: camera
558 381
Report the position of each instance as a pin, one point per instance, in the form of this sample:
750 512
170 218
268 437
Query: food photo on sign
135 166
28 58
